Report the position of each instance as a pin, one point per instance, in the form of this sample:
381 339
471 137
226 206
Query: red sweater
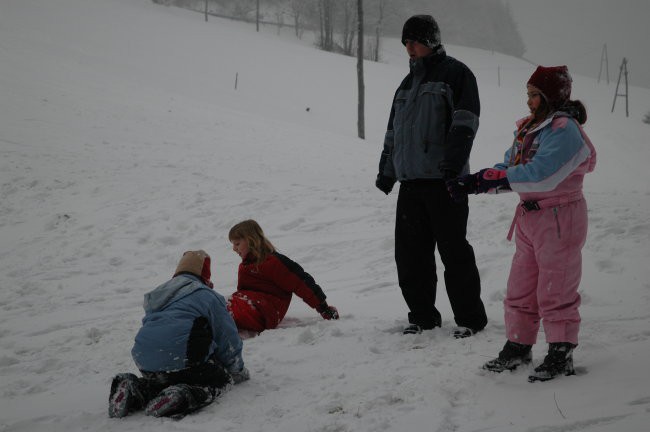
274 282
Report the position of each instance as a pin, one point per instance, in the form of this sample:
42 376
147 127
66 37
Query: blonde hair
260 247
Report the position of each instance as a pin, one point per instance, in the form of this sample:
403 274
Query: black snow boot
178 400
511 357
558 361
412 329
461 332
127 395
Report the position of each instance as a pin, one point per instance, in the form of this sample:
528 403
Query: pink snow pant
545 274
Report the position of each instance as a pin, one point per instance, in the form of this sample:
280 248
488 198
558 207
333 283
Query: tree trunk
360 114
325 9
379 29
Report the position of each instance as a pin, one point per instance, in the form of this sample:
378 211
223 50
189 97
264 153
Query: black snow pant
208 374
200 384
427 217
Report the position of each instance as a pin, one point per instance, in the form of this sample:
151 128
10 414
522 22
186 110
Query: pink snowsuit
546 166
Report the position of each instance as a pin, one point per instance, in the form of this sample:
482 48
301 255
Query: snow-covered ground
123 143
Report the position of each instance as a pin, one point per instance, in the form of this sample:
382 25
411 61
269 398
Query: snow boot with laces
558 361
511 357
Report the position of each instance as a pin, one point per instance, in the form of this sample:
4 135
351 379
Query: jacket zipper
557 222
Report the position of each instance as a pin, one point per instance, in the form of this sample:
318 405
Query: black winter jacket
433 121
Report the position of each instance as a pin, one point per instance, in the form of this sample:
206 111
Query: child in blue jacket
188 349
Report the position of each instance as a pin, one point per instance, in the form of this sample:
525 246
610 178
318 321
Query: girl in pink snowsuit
545 165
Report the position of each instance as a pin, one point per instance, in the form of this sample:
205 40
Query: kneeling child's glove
327 312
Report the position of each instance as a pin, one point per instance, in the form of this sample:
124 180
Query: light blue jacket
555 156
185 323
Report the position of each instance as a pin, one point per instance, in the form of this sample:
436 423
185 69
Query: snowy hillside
123 143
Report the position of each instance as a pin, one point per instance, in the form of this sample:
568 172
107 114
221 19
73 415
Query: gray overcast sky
573 32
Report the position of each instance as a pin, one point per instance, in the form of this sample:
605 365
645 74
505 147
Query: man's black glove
448 170
450 176
459 187
384 184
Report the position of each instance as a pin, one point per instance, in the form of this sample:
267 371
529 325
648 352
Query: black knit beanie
423 29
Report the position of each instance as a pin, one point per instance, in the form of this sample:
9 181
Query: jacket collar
421 64
544 122
175 288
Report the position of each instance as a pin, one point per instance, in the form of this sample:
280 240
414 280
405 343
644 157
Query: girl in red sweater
267 281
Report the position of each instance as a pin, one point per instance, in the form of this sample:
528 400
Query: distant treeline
485 24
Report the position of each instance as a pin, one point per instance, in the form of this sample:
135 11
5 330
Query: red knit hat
554 82
196 263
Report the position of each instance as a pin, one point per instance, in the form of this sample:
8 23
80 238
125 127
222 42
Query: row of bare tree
334 22
338 23
486 24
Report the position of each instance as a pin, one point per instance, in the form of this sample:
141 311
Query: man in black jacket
432 124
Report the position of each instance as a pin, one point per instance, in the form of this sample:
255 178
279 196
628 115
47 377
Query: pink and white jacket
551 159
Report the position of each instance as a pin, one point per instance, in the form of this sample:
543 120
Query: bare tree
348 21
279 19
326 21
297 10
379 28
243 9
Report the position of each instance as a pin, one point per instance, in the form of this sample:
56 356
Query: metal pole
622 72
627 112
603 58
617 84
